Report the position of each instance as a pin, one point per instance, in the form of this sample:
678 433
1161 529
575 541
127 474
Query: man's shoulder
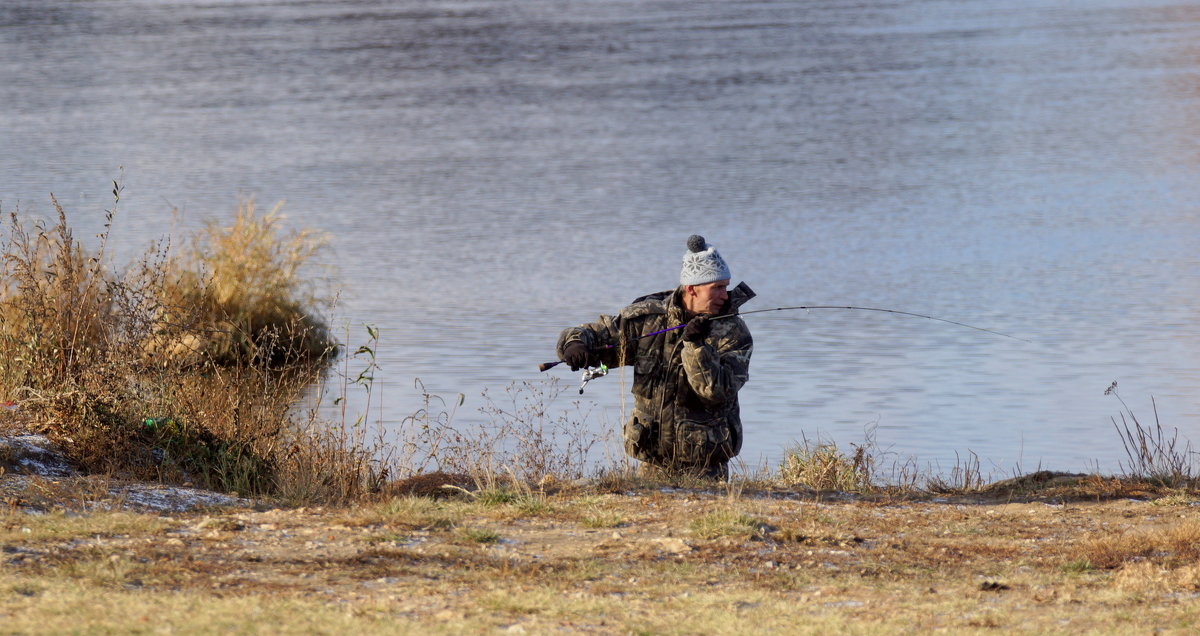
658 297
650 304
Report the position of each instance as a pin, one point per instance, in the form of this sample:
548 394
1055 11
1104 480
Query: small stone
674 545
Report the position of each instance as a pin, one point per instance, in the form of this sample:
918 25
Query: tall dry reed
236 296
179 368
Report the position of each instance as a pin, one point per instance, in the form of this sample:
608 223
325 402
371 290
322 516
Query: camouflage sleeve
717 369
613 338
601 337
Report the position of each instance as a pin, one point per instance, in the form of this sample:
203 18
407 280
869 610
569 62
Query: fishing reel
591 373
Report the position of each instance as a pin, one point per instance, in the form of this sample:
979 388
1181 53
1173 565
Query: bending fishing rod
549 365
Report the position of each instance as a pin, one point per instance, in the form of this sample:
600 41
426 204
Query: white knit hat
702 263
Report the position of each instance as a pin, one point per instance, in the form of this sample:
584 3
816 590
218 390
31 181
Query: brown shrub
179 369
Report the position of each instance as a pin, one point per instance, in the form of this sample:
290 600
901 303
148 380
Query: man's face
706 299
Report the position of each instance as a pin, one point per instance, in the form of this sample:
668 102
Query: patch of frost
35 455
171 498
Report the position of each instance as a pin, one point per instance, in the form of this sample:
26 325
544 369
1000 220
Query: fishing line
547 365
879 309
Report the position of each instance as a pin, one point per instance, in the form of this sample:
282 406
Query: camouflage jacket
686 395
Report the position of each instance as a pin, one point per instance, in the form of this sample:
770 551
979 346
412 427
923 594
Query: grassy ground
643 559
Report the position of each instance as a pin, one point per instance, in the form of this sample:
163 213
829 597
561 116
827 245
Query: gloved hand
697 329
576 354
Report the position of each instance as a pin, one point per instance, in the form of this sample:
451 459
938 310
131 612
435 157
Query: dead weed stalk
1153 453
524 443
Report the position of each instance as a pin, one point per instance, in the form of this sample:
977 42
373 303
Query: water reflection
494 171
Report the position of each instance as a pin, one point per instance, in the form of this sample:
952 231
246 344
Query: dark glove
697 329
576 354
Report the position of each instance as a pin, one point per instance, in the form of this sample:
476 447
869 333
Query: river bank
609 556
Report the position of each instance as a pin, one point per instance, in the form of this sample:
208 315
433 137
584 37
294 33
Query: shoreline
611 557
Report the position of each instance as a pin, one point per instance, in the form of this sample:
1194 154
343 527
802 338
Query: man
685 380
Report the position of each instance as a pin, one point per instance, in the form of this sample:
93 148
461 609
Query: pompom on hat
702 264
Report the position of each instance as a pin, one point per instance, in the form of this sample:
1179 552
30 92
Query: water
493 171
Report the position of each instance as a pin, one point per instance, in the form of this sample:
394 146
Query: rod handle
548 365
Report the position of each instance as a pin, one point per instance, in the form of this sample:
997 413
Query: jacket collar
738 296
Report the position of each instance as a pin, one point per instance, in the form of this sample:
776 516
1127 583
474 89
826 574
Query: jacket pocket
644 370
703 443
640 439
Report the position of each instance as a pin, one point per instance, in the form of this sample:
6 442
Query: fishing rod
591 374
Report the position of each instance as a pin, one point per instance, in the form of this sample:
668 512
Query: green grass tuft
824 467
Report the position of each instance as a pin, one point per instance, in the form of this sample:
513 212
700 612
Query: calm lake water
491 171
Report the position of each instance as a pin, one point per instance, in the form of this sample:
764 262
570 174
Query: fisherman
685 381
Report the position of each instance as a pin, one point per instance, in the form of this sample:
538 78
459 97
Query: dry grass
55 308
529 441
63 526
237 296
1175 545
726 522
1153 579
1153 453
822 466
180 369
679 563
